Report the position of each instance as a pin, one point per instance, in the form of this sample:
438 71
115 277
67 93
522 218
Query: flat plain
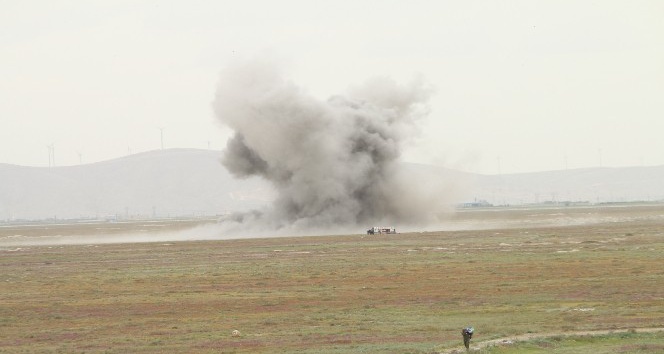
548 277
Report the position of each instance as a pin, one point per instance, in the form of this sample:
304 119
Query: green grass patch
596 344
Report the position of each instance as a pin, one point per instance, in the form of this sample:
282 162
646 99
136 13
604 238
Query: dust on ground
13 235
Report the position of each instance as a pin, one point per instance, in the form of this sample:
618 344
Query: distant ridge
592 185
192 182
172 182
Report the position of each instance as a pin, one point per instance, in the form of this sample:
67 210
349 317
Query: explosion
332 162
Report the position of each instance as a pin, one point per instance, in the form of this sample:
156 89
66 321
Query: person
467 333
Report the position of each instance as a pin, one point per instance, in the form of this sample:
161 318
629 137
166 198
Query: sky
519 86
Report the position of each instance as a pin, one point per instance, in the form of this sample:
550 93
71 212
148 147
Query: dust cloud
333 163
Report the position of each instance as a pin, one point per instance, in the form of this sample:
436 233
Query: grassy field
625 342
405 293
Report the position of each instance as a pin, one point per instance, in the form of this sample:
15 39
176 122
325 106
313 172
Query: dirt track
529 336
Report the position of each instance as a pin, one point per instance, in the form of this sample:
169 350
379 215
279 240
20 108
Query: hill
591 185
191 182
172 182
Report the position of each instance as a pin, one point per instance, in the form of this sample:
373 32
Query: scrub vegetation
404 293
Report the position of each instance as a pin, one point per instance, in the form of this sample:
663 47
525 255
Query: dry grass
406 293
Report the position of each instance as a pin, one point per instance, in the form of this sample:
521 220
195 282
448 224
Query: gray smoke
331 162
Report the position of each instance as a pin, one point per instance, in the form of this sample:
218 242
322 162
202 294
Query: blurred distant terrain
191 182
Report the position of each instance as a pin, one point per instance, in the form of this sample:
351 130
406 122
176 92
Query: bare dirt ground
164 230
579 270
101 231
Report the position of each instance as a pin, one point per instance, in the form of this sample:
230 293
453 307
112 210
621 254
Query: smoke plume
332 162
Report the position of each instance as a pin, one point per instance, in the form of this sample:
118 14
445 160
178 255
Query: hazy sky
519 85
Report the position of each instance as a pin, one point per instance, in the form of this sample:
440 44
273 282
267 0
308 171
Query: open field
405 293
641 340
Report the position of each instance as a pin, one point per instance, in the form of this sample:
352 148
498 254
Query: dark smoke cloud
333 162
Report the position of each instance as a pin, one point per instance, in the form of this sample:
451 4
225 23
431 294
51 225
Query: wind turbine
51 155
